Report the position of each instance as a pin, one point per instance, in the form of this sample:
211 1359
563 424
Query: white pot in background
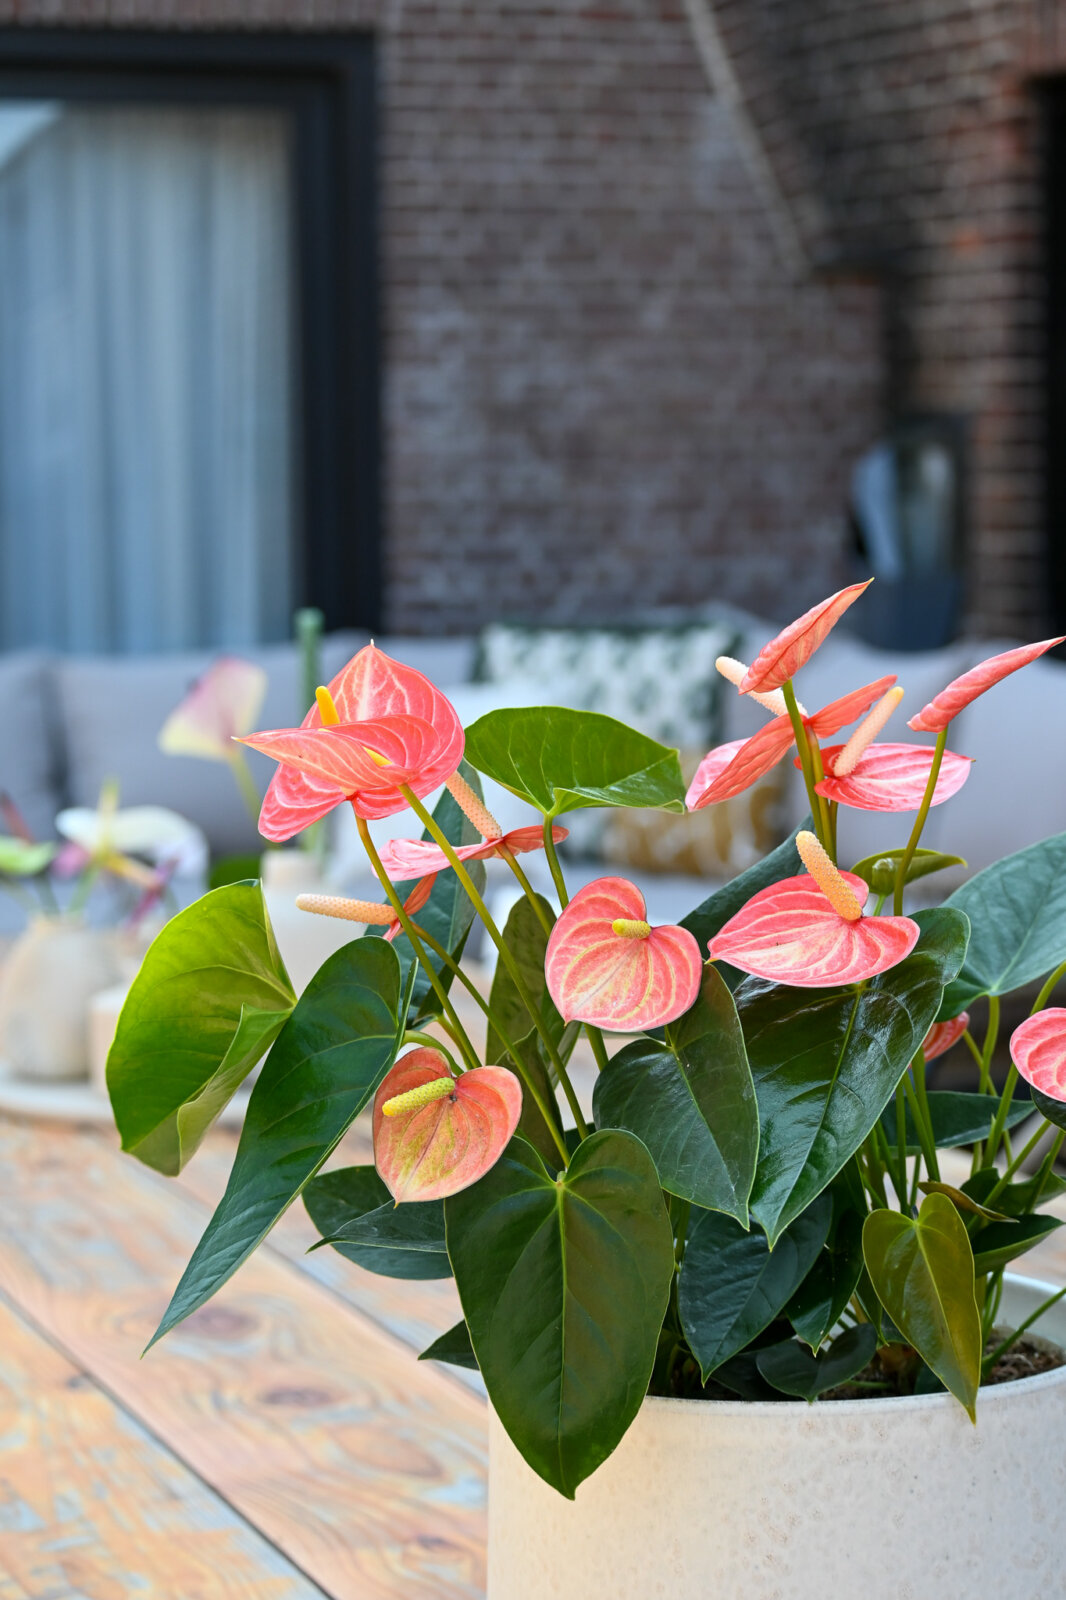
304 939
898 1499
48 978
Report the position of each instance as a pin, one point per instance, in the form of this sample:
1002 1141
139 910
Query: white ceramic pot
49 976
898 1499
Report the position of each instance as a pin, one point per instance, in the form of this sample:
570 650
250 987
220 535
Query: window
188 390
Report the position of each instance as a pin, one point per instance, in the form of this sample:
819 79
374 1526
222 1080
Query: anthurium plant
750 1202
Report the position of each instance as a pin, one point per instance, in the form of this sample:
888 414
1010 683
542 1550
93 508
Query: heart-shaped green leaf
1002 1242
453 1347
692 1102
449 912
956 1118
210 998
879 870
354 1212
711 916
560 760
329 1058
795 1371
527 941
826 1061
923 1272
1017 909
564 1285
732 1285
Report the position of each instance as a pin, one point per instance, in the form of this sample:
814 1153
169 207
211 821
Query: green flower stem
919 822
1000 1120
826 807
804 750
416 1036
505 955
453 966
1047 1166
922 1097
459 1032
971 1044
242 772
899 1177
1045 994
925 1135
553 864
527 888
990 1360
1019 1161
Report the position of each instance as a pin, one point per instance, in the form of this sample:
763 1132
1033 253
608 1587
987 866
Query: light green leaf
329 1058
879 870
355 1213
211 996
692 1102
1017 911
560 760
826 1062
923 1272
963 1201
732 1285
21 859
564 1285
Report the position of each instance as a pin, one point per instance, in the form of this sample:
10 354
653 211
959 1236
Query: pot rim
997 1394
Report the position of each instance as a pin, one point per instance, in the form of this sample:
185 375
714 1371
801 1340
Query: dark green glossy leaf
526 939
963 1201
325 1065
741 1374
956 1118
561 760
1017 909
453 1347
1002 1242
879 870
795 1371
732 1286
826 1062
1053 1110
564 1286
923 1272
692 1102
210 998
449 911
711 916
355 1213
816 1307
1017 1199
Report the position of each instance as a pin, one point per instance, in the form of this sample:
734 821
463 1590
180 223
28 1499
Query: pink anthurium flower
392 728
731 768
782 658
606 965
810 931
371 913
221 706
942 1035
408 858
1038 1050
892 777
435 1134
934 717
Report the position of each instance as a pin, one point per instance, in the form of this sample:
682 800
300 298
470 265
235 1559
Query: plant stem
508 959
527 889
899 1177
925 1134
804 751
989 1362
919 822
1000 1119
1042 998
553 864
454 967
416 1036
825 806
922 1097
416 944
1018 1161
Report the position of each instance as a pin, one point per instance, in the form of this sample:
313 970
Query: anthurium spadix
606 965
379 727
1038 1050
934 717
810 931
435 1133
786 653
371 913
221 706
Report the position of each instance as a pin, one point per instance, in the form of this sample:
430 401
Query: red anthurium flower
1038 1050
408 858
892 777
435 1134
810 932
942 1035
950 701
731 768
606 965
392 728
369 912
782 658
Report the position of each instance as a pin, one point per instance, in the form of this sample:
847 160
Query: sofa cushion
111 709
28 741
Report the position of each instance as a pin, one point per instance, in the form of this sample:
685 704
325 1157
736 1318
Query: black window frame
327 82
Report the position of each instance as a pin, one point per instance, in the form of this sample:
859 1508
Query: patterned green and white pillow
658 679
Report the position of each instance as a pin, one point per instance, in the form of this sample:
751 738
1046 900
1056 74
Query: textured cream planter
885 1499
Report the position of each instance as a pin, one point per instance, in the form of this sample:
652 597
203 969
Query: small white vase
893 1499
48 978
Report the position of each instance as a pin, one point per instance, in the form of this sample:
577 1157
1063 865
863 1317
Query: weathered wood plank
93 1508
364 1467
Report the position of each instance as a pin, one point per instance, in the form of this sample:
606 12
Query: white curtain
145 378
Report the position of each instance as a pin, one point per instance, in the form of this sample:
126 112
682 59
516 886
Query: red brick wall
602 392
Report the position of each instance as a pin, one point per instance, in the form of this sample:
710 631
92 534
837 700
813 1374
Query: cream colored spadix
735 671
369 912
826 876
866 733
473 808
